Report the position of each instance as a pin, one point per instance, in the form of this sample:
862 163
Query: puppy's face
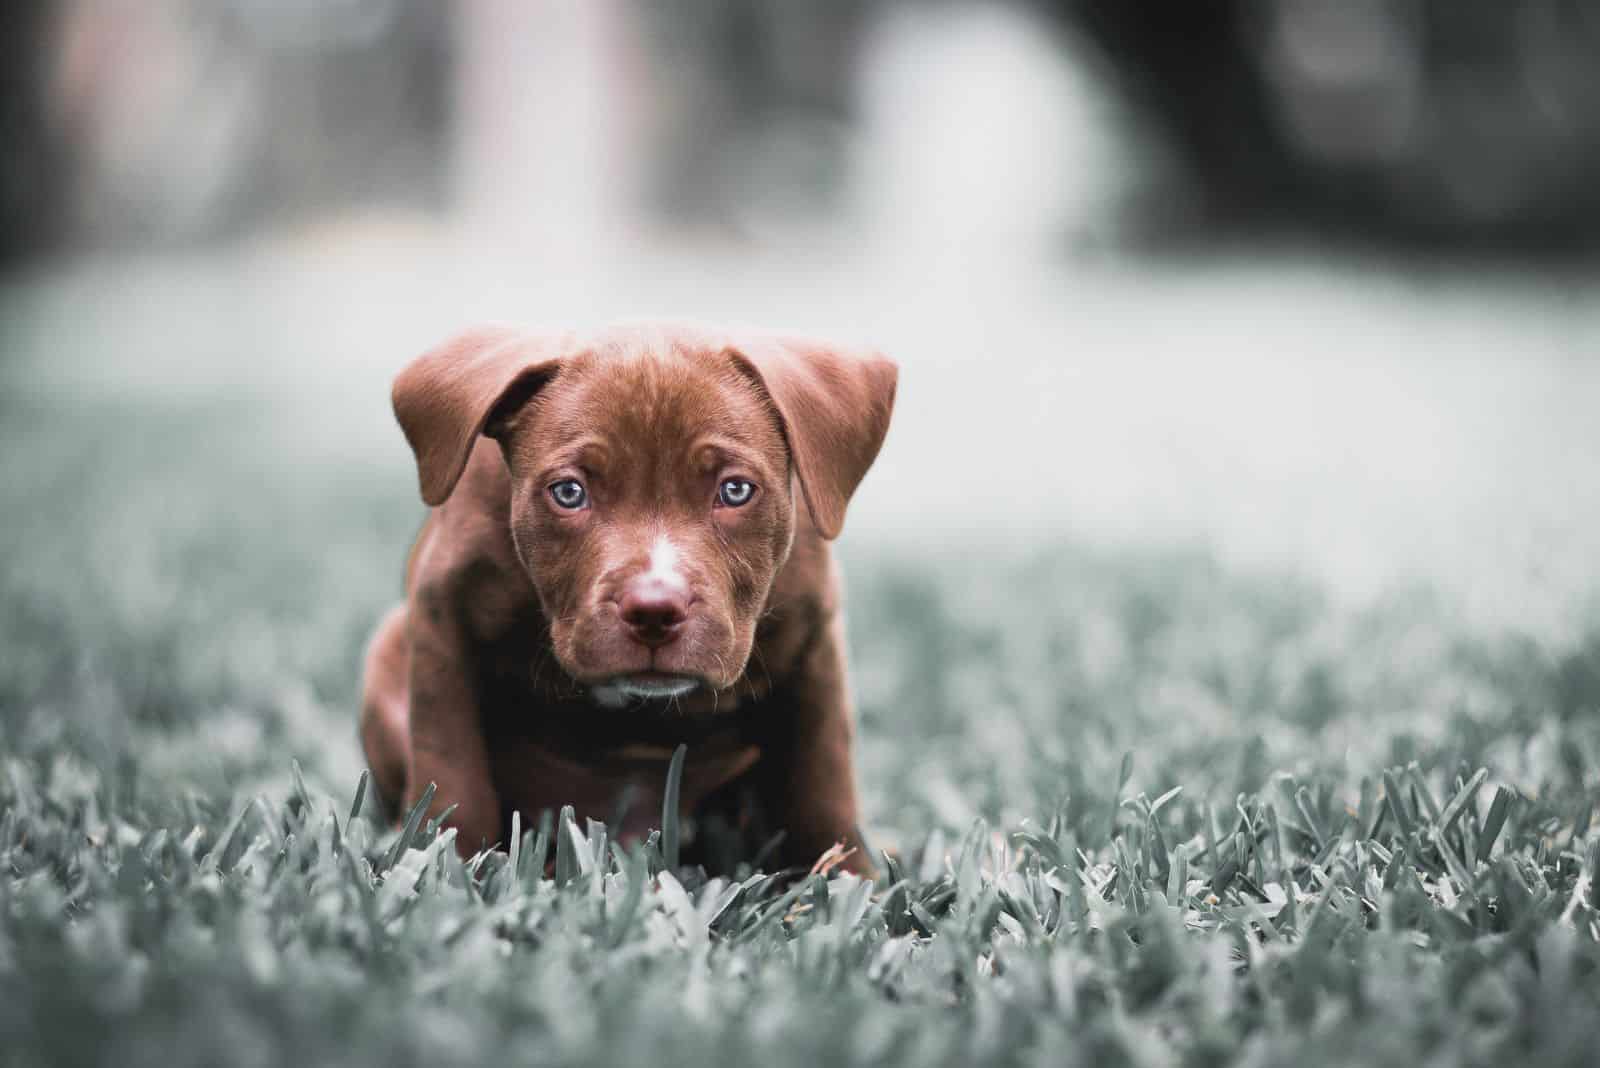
651 507
650 479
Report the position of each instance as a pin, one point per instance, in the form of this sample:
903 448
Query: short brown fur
484 681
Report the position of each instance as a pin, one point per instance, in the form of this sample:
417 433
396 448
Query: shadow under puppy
616 562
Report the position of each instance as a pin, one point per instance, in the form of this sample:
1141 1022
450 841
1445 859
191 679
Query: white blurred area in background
951 192
980 136
548 98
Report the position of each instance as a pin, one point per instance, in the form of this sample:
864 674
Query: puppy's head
651 479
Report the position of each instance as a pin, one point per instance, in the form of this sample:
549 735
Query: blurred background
1251 354
1059 124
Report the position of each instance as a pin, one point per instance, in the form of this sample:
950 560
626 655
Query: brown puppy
616 562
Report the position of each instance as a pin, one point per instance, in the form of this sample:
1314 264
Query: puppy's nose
654 611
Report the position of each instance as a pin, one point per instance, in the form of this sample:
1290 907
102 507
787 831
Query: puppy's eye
569 493
735 491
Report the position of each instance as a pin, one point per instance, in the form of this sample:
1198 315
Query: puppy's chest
550 744
613 770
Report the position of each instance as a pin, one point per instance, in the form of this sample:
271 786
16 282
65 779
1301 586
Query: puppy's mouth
620 690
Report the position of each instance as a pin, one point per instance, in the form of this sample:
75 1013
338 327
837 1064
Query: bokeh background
1251 359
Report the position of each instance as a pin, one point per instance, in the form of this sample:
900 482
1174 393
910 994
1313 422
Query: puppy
618 561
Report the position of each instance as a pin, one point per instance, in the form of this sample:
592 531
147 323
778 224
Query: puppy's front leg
812 774
447 737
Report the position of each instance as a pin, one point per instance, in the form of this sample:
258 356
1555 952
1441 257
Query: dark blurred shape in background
1465 122
1468 124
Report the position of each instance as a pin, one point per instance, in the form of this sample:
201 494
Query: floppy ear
834 406
449 395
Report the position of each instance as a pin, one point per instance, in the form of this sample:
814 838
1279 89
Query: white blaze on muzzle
664 564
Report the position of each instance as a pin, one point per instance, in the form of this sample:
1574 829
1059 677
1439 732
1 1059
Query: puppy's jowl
628 549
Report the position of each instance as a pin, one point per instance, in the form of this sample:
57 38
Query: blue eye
569 493
735 491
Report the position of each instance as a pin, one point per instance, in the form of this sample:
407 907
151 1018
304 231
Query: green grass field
1144 807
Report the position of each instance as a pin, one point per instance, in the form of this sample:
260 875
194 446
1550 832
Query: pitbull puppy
617 561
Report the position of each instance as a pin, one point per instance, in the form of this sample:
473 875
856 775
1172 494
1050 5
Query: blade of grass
432 830
1492 824
516 847
1124 773
413 822
638 873
1178 874
300 791
1161 802
1302 804
361 794
1420 789
1594 874
219 853
1397 803
670 829
1458 804
567 833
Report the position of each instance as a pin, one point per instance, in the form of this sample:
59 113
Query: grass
1142 808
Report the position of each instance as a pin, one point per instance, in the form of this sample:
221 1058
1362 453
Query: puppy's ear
834 406
465 387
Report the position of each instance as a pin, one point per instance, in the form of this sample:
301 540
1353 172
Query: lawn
1140 805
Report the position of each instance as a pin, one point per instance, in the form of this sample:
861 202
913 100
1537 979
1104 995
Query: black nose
654 611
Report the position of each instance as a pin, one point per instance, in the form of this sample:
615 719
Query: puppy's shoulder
464 566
